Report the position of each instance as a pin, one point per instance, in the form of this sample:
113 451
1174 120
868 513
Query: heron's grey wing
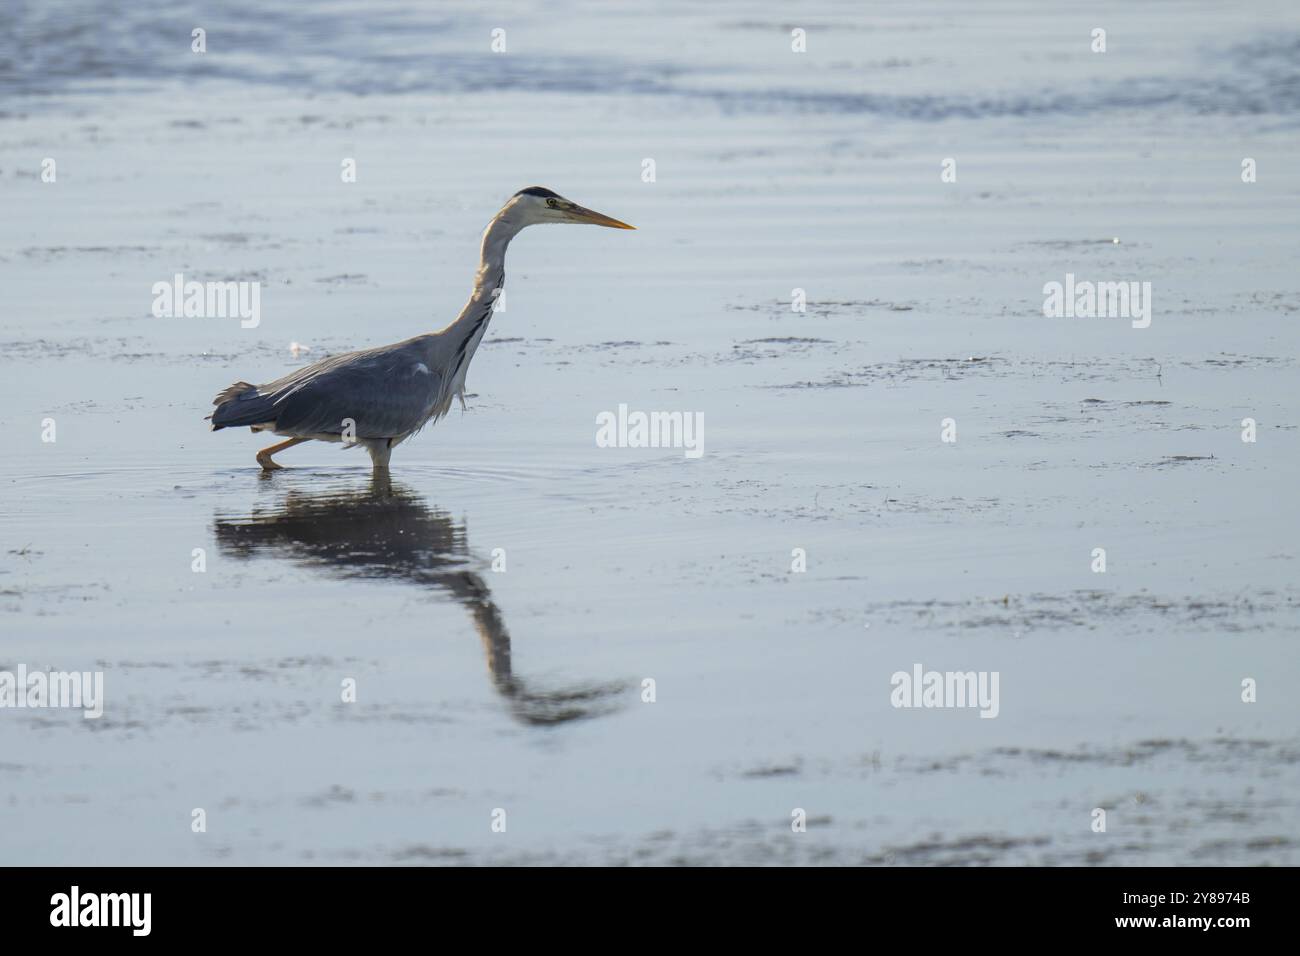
386 392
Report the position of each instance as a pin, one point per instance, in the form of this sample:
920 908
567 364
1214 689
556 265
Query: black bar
331 906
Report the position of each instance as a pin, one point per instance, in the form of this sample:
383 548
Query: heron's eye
551 203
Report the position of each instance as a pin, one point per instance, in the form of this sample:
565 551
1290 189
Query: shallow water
521 688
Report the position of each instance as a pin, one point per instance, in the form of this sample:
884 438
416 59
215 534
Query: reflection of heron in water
387 532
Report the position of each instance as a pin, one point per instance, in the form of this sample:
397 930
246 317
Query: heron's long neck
489 281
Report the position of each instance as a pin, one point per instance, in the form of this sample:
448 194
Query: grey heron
379 397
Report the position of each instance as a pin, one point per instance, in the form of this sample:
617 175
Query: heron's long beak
582 214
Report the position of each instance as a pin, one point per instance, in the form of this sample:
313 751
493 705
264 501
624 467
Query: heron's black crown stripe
541 191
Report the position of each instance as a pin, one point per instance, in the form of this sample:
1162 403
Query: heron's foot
264 456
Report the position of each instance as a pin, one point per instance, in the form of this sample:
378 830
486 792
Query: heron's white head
537 204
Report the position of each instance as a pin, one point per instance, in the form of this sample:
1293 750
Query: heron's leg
380 452
264 456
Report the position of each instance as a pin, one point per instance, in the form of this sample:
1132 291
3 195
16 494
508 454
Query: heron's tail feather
239 388
241 404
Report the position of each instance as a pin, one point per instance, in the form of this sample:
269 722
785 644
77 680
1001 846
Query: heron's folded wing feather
385 392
